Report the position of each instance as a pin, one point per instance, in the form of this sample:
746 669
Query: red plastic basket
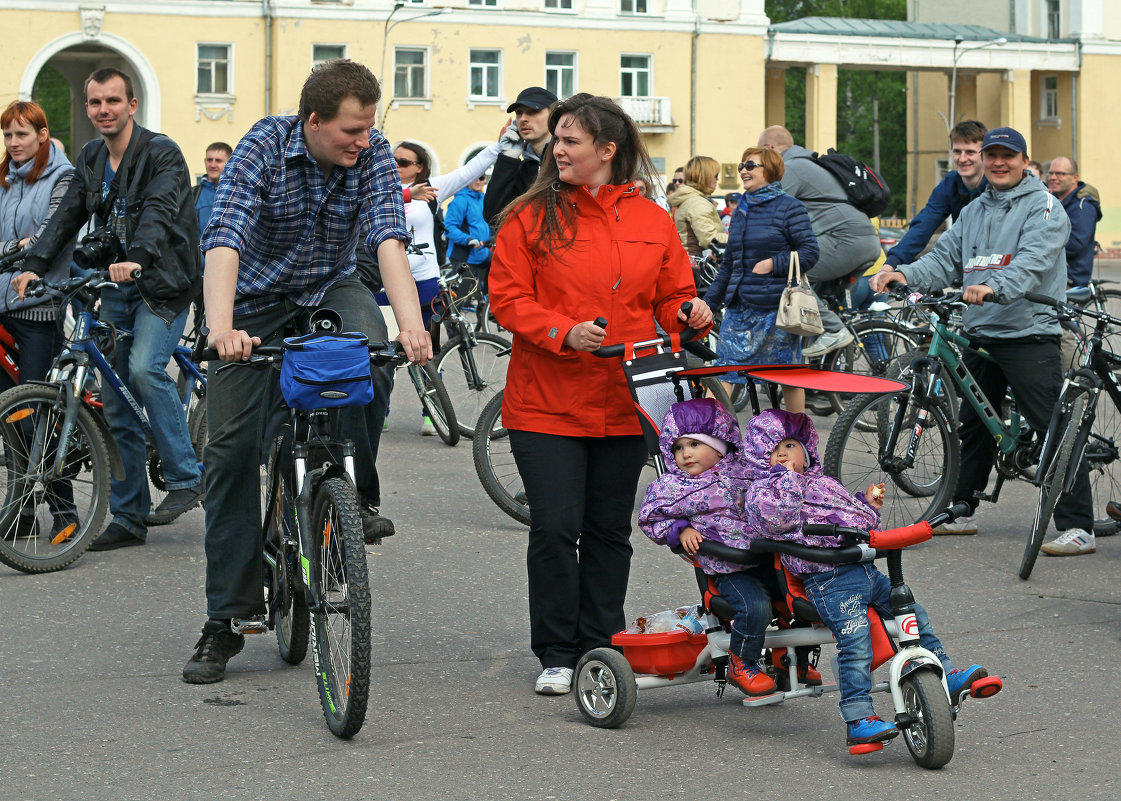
663 654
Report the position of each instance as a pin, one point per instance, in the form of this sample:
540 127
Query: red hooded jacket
625 265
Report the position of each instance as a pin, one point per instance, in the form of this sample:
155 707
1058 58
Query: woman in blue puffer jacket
766 227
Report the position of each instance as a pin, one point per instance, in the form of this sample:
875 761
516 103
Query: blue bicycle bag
321 371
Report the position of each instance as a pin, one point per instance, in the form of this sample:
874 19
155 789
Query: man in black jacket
522 145
135 185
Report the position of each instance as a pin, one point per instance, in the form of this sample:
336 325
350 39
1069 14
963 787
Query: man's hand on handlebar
699 317
121 272
233 346
586 336
977 294
417 345
887 275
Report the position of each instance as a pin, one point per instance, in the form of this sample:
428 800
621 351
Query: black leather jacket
162 233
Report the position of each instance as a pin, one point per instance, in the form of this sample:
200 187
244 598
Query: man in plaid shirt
281 243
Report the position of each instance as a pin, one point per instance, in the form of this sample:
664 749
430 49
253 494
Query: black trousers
581 493
1034 372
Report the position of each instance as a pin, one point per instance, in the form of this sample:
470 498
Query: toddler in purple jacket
700 496
790 489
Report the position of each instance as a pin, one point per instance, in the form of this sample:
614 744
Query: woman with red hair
34 177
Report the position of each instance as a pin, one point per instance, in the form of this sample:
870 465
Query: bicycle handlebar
1068 310
97 280
12 258
381 353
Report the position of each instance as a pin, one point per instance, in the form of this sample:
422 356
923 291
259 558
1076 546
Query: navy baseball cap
534 98
1008 137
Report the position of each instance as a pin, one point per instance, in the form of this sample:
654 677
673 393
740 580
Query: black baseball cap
534 98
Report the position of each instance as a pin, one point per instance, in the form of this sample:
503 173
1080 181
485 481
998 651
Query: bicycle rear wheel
49 518
341 621
435 402
494 463
856 456
1103 456
1070 410
470 390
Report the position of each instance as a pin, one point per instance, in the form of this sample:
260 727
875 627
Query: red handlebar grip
895 538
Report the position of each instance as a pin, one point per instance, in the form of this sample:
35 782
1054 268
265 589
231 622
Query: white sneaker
963 525
554 681
1072 542
827 343
426 427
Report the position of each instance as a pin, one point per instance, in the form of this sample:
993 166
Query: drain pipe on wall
693 83
266 11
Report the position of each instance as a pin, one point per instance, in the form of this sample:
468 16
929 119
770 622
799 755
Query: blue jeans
749 593
38 342
842 597
141 363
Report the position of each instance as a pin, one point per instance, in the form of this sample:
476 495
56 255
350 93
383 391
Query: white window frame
1049 100
573 70
315 62
397 50
637 7
559 6
229 90
482 3
1050 16
649 73
486 68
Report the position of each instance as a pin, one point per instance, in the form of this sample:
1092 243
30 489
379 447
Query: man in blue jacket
961 185
1084 211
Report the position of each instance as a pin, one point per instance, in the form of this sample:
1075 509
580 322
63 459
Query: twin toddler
717 488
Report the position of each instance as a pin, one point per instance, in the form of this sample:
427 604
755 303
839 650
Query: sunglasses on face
679 180
406 163
749 165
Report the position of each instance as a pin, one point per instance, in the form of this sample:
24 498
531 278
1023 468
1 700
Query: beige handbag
797 308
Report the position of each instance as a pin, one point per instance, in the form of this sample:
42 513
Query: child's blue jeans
842 597
749 592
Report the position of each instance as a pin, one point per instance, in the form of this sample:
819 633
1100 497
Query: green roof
844 26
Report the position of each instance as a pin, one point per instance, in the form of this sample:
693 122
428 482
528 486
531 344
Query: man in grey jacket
848 241
1009 241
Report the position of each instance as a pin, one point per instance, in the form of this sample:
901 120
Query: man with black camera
135 185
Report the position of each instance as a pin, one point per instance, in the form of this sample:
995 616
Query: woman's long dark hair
421 156
549 196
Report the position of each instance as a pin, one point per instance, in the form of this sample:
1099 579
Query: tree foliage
52 91
863 96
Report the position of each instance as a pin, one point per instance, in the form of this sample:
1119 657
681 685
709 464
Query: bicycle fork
923 388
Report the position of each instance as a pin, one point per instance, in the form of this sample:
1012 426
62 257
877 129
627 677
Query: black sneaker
375 526
115 536
213 650
174 504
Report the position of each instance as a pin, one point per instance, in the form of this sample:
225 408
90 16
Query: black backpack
439 232
863 188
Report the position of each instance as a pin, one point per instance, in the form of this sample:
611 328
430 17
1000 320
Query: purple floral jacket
711 502
779 501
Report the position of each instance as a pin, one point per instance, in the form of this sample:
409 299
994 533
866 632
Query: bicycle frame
9 347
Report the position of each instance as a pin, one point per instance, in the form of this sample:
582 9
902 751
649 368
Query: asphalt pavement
94 708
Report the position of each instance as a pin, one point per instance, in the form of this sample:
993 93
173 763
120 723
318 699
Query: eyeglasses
1061 174
406 163
749 165
679 180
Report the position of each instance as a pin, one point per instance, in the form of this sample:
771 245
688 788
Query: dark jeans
581 493
240 403
39 343
749 592
1034 372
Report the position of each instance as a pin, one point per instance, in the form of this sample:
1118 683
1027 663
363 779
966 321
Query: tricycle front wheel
605 688
931 738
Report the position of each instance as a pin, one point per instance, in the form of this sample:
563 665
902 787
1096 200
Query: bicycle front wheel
1103 457
435 402
341 620
472 375
287 601
50 515
1070 410
857 456
494 463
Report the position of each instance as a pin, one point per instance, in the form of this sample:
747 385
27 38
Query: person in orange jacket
582 243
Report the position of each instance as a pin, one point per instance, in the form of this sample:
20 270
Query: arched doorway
67 62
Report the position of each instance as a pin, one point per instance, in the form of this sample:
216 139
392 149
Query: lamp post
385 45
998 42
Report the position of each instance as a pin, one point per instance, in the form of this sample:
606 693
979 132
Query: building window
486 3
326 52
633 6
558 5
560 74
1050 98
486 79
1053 19
634 76
213 77
409 72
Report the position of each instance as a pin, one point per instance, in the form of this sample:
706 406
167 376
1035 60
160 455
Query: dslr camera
98 249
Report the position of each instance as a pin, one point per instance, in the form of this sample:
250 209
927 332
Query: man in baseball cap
521 147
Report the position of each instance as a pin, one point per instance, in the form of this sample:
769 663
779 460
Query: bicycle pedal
252 625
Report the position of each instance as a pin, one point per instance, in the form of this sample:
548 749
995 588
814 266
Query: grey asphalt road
93 707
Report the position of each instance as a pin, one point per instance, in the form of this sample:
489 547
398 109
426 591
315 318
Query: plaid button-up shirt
295 230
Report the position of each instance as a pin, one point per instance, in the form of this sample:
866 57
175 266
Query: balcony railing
651 114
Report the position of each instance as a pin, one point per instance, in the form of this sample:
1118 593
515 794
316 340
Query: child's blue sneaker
960 680
870 730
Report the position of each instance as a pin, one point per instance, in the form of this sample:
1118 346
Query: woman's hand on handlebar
699 317
417 344
586 336
20 282
690 540
233 346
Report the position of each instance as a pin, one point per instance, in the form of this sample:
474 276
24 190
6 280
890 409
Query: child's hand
875 496
691 540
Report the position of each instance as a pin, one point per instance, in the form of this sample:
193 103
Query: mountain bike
316 576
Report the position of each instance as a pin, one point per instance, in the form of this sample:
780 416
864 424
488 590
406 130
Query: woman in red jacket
582 243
